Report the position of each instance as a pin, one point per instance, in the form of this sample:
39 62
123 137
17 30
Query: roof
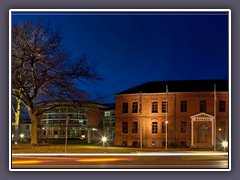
72 103
179 86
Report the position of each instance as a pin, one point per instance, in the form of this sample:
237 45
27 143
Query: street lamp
224 145
104 140
166 134
66 131
22 136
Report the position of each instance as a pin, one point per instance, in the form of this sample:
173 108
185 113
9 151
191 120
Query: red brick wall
175 116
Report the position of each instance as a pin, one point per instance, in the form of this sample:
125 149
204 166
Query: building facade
173 113
80 120
109 122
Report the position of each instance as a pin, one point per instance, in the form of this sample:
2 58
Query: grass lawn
26 148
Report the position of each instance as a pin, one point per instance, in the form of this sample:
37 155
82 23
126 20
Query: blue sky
132 48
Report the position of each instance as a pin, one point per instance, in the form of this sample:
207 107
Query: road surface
119 162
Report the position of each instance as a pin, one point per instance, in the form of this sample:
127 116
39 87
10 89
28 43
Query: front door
202 134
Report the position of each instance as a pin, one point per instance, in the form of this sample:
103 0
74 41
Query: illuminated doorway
202 133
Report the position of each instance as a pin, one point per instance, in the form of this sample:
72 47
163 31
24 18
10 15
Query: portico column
192 132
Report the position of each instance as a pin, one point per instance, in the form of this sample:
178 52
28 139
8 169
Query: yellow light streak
16 162
101 159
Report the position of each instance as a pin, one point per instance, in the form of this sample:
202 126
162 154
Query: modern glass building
80 120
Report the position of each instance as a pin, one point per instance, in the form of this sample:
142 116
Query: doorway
202 133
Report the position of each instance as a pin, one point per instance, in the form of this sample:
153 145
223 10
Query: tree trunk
17 119
16 135
34 119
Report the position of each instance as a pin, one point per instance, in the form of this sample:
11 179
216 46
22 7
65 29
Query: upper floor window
154 107
203 106
125 127
125 107
183 106
164 107
183 127
134 127
107 113
222 106
134 107
154 127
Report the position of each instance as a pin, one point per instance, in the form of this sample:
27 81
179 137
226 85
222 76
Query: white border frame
122 10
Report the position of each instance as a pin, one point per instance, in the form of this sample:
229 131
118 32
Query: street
188 161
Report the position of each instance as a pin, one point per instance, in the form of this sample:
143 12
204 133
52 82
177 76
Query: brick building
85 120
180 113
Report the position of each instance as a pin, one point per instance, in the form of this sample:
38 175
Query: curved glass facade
78 117
54 124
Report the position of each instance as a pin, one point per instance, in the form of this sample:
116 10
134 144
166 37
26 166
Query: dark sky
130 49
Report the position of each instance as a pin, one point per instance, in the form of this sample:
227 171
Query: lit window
154 107
154 127
164 107
107 113
134 107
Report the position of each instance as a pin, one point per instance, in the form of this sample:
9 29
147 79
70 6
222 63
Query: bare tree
16 109
41 69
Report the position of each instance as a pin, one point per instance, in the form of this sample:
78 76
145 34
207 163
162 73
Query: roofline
171 81
169 93
68 101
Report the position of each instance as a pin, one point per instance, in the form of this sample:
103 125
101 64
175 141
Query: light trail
128 154
18 162
103 159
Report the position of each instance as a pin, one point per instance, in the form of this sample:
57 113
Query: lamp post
66 132
166 135
104 140
22 136
166 122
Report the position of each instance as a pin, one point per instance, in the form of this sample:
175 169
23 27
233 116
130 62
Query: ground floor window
135 127
125 127
154 127
183 127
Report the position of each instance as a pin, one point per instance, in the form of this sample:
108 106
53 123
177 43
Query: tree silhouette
42 70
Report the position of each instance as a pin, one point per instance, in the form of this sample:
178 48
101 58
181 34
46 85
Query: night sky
133 48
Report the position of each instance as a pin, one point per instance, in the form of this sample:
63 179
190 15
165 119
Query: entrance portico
202 130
